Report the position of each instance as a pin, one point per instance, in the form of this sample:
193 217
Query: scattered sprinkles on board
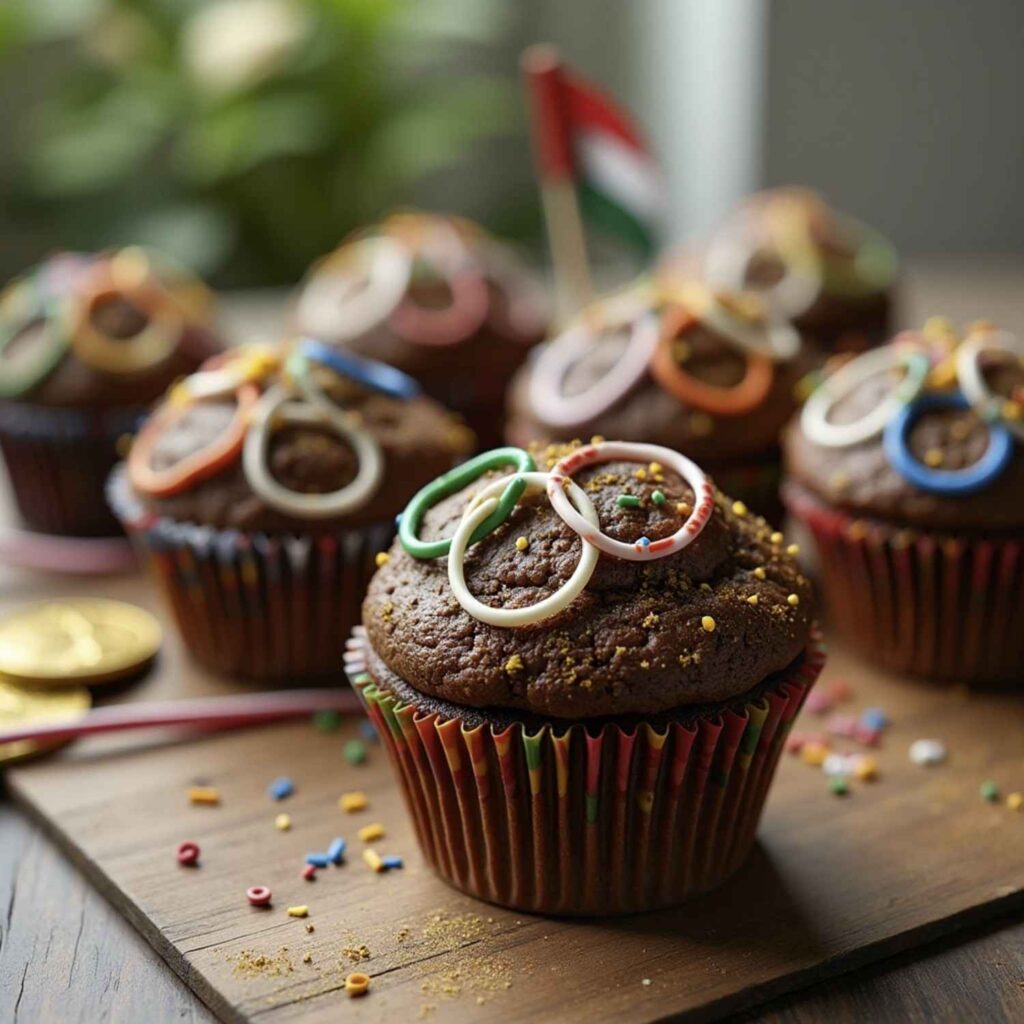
317 860
283 822
336 851
352 802
354 752
188 853
204 796
372 832
299 911
927 752
281 788
258 895
989 791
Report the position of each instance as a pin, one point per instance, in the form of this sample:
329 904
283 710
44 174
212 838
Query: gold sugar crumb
776 537
514 664
934 457
651 620
522 543
682 508
382 558
760 573
708 623
597 439
739 508
793 549
793 600
752 599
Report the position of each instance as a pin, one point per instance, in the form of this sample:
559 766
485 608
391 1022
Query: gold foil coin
79 640
24 706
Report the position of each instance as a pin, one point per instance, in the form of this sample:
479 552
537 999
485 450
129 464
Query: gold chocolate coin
23 706
79 640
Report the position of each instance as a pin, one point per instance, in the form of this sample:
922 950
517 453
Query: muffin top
291 438
924 432
103 330
704 372
678 595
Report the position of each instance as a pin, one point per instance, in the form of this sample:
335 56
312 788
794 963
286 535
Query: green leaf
197 234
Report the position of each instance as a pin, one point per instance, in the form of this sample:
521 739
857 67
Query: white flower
231 45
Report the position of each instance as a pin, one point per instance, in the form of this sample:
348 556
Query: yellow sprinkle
370 833
739 508
514 664
793 599
655 467
522 543
382 558
752 599
708 623
373 860
357 984
866 769
302 911
682 509
352 802
282 822
793 549
813 753
641 474
776 538
597 439
933 457
1015 801
760 573
207 795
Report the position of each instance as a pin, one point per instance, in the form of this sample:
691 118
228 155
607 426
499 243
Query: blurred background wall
248 135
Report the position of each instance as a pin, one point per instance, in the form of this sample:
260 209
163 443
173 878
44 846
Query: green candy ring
30 306
454 480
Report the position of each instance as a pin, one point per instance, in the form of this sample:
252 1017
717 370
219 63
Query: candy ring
955 482
557 358
227 372
641 550
23 305
477 512
258 895
373 376
278 407
774 339
450 324
523 313
355 288
814 419
972 381
454 480
199 465
749 393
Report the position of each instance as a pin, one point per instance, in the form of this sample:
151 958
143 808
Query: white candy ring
775 338
226 373
279 407
482 505
814 419
985 402
641 550
355 289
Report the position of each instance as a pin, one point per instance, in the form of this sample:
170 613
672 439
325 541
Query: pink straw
207 713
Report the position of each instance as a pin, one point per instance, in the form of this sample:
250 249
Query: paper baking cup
610 818
258 605
937 605
58 461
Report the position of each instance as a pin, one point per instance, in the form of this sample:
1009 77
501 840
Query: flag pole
553 156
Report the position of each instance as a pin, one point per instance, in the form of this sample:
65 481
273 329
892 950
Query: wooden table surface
66 954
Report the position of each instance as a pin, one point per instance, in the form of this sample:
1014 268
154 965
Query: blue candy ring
375 376
944 481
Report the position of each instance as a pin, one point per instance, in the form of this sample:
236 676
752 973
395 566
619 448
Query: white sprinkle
840 765
926 752
646 981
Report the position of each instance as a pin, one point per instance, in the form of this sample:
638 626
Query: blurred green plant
247 136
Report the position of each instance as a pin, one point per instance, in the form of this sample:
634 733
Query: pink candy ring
450 324
641 550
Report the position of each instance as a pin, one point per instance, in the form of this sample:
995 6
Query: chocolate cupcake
437 297
833 276
706 373
586 708
263 489
86 343
907 469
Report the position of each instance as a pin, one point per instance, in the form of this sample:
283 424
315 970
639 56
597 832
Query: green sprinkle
989 790
658 497
838 786
326 721
355 752
627 501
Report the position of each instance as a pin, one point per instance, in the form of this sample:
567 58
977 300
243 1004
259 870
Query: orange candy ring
749 393
205 462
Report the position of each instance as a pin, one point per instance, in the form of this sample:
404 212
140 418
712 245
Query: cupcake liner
58 461
257 605
944 606
583 819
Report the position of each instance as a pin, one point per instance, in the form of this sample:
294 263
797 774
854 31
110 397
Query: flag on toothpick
593 164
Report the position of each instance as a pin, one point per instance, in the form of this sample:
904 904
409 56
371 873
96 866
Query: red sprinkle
188 853
869 737
258 895
840 691
309 872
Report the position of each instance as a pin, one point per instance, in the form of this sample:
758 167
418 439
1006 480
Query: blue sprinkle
391 862
398 520
336 851
874 718
318 860
280 788
368 730
644 542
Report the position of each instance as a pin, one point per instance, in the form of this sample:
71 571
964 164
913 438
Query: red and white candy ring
642 549
462 317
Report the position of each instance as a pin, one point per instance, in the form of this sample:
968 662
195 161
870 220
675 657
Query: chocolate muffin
437 297
707 373
833 276
620 652
86 343
263 489
907 469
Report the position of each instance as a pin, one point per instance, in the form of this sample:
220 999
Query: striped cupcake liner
942 606
58 461
574 819
267 607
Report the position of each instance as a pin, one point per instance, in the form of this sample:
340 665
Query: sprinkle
370 833
658 497
1015 801
514 664
656 468
708 623
813 754
281 788
838 786
776 538
836 765
627 501
302 911
989 791
597 439
357 984
382 558
682 508
318 860
706 587
739 508
207 796
354 752
373 860
352 802
867 737
752 599
760 573
793 549
522 543
645 981
391 862
282 823
934 457
368 731
644 542
310 929
818 702
336 851
927 752
309 872
874 718
793 600
865 767
640 474
258 895
326 721
188 853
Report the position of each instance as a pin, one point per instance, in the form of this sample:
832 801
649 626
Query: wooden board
833 884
